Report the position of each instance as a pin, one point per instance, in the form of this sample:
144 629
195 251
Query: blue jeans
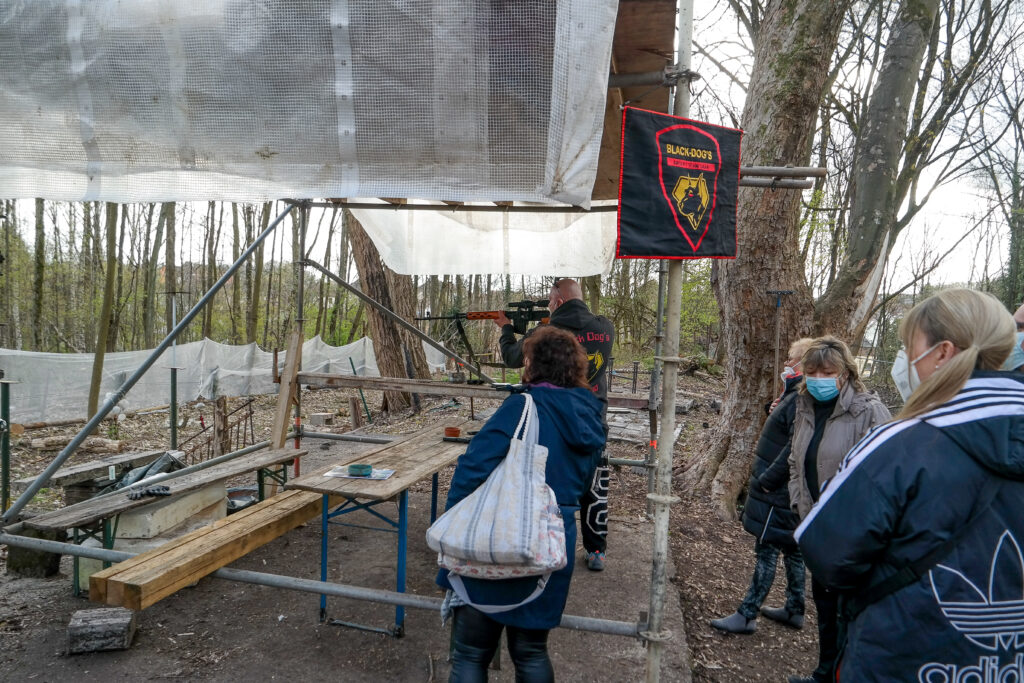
764 576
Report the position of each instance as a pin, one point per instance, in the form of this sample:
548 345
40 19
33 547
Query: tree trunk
152 254
37 280
846 306
170 278
256 282
384 332
108 301
236 281
795 44
403 295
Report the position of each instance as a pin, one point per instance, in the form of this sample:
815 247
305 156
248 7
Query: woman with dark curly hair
570 427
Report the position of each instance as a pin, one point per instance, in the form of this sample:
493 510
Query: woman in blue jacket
921 529
570 427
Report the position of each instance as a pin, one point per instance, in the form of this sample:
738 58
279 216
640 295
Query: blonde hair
832 354
975 323
798 348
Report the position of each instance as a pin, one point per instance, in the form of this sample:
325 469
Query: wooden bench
94 469
90 512
145 579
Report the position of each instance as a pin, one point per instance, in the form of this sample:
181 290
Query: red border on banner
618 217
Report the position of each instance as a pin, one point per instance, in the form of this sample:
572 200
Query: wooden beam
438 388
287 391
145 579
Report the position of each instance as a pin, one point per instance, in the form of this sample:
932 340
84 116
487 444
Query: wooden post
354 412
221 433
287 394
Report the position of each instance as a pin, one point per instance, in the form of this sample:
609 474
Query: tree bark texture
845 308
384 332
170 280
795 44
108 303
403 296
37 280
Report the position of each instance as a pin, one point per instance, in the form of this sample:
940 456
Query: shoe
735 623
784 616
595 561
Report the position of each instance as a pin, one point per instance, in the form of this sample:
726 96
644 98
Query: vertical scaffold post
5 442
662 497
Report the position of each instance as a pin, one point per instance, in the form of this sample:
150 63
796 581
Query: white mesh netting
149 100
55 386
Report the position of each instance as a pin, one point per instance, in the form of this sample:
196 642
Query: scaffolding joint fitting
669 359
667 500
655 637
675 73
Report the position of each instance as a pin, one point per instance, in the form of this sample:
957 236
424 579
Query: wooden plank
148 578
438 388
413 458
91 511
94 469
107 589
287 390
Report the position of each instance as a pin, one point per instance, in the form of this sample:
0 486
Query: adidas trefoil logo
994 618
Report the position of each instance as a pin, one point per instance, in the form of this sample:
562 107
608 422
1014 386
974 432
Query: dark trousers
827 603
764 576
475 639
594 509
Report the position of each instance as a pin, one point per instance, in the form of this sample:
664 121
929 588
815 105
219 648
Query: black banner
677 192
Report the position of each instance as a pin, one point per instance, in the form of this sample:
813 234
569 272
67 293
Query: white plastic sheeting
55 386
469 243
153 100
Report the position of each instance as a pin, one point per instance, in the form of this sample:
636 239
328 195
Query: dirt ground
222 630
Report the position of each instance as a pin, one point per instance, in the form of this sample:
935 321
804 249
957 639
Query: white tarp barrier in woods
150 100
469 243
55 386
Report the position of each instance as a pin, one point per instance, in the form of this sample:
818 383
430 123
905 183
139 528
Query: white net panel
159 100
55 386
469 243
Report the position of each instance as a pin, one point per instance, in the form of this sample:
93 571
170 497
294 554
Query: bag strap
853 605
524 419
460 589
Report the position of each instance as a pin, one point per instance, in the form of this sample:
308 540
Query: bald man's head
563 290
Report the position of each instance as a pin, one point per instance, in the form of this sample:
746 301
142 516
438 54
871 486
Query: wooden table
413 458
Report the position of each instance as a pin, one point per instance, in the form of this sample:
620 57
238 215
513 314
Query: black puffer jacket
905 489
767 514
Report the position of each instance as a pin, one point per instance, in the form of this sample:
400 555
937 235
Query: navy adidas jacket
900 493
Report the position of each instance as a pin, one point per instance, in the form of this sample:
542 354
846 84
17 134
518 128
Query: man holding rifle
595 334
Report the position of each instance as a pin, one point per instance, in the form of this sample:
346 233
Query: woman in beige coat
833 411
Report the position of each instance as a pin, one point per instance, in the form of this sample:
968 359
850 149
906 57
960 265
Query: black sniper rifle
521 314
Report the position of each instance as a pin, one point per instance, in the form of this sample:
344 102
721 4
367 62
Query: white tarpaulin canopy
159 100
469 243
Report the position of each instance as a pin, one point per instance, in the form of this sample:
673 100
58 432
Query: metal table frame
399 526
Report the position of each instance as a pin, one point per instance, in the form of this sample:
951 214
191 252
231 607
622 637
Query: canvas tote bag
510 526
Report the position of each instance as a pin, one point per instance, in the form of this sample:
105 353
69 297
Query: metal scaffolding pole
662 497
608 626
44 478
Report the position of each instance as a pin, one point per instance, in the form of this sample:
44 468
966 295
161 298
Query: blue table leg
433 498
323 556
403 527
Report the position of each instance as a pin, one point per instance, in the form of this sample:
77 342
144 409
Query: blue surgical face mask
1016 358
822 388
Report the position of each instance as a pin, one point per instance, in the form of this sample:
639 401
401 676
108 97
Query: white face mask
904 373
